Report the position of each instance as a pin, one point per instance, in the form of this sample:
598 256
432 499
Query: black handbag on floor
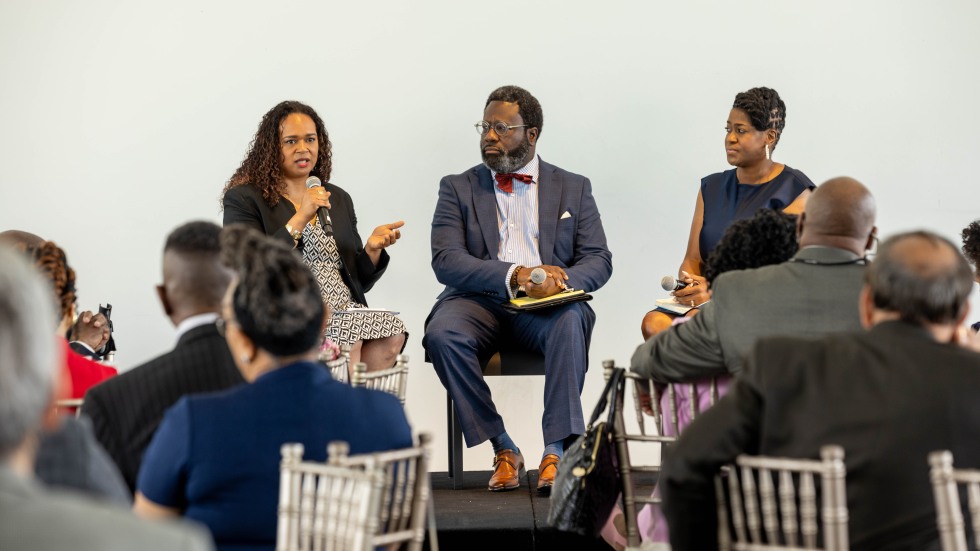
587 483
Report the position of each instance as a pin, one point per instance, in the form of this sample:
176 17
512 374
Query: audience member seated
768 237
971 248
215 457
813 293
127 409
51 261
31 517
68 455
89 332
888 396
752 131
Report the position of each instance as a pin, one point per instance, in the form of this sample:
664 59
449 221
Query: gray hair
27 349
914 277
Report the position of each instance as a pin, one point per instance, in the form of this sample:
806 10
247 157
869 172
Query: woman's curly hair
262 165
971 243
51 261
765 109
767 238
276 300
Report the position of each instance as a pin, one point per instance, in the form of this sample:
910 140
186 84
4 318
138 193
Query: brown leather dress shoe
508 468
546 473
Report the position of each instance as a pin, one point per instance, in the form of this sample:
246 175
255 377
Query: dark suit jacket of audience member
888 396
813 294
127 409
244 205
70 457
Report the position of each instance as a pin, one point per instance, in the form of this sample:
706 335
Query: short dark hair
769 237
195 237
528 106
199 279
919 291
971 243
277 299
765 109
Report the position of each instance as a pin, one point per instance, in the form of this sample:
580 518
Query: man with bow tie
493 225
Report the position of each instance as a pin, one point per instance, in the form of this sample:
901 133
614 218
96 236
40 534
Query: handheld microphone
538 275
323 212
670 283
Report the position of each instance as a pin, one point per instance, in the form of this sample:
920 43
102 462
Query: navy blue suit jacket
465 236
216 456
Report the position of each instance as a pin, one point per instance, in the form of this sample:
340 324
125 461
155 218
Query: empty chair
773 503
326 507
406 500
667 424
393 380
949 511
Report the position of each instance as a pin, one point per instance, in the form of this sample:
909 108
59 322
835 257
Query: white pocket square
566 215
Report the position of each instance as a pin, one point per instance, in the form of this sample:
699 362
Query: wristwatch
295 234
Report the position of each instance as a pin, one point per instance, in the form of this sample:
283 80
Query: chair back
664 430
69 406
326 507
339 366
406 500
946 483
393 380
765 509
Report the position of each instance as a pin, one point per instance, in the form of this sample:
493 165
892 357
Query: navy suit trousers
462 332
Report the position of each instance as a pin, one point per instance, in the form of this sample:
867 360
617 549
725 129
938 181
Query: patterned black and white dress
321 254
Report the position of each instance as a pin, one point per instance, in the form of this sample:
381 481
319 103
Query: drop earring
245 359
767 152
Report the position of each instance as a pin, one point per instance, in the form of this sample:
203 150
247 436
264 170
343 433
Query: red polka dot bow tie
506 181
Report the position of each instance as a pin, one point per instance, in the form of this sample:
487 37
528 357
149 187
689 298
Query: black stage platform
473 518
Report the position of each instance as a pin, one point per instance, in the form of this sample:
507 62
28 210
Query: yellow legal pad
564 297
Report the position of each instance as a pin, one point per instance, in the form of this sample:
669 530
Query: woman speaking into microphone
282 188
752 131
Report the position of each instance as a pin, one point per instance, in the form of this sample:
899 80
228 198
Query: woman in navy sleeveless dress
752 131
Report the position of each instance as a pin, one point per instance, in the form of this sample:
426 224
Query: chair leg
455 446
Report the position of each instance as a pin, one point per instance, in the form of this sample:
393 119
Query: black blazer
244 205
126 410
888 396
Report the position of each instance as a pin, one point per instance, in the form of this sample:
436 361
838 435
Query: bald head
921 277
194 279
21 240
840 213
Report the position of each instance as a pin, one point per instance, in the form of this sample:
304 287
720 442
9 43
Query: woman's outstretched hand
383 237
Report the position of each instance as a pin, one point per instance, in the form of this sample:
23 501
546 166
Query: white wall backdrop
121 120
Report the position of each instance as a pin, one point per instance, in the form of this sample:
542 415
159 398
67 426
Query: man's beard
508 161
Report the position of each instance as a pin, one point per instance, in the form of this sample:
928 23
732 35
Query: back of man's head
27 350
840 213
193 276
922 277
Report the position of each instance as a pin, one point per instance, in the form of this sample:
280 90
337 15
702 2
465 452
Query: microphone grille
668 282
538 275
312 181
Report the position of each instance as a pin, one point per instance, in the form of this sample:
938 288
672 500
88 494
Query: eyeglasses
500 128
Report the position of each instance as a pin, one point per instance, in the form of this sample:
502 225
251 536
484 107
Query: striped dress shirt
517 221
